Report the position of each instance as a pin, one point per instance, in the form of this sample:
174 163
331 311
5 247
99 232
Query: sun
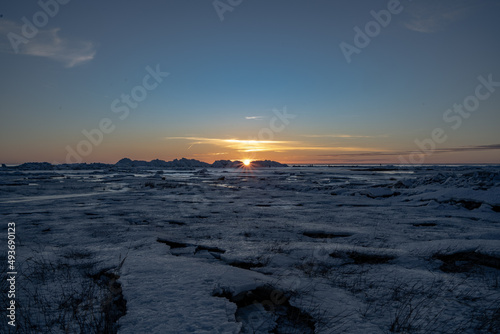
247 162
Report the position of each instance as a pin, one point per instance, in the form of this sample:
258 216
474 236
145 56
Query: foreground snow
318 249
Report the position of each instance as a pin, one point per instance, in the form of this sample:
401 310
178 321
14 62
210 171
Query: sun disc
247 162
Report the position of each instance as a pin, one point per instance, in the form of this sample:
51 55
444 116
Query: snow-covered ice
292 249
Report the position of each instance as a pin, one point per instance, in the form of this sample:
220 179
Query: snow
356 248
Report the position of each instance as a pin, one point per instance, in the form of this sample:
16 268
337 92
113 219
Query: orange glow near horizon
247 162
292 150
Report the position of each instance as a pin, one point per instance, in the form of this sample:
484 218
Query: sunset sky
316 81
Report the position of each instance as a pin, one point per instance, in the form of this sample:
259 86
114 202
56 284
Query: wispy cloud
436 151
267 145
469 148
237 144
48 44
256 118
432 16
341 136
217 153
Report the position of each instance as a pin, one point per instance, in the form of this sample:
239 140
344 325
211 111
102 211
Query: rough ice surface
283 250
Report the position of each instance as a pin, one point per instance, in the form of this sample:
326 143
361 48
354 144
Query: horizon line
287 163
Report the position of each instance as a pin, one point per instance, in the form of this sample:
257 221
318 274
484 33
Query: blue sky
228 80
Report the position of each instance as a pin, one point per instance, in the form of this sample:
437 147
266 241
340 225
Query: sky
296 81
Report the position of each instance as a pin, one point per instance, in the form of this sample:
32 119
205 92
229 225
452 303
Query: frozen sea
341 249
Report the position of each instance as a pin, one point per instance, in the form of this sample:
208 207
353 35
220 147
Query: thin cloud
256 118
237 144
265 145
48 44
217 153
470 148
341 136
435 151
433 16
210 154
